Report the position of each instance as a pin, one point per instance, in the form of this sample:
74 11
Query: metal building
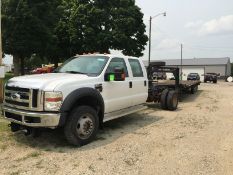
222 66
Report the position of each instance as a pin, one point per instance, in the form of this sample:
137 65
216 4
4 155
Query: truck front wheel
82 125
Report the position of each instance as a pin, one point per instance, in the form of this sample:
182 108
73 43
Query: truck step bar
123 112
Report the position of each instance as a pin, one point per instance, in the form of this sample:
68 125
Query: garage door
199 70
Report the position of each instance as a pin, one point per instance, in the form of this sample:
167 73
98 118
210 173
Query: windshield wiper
74 72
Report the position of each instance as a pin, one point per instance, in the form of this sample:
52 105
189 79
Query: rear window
136 68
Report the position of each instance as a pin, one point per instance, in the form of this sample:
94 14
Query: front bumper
31 119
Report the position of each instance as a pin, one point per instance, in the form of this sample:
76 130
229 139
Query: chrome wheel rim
85 126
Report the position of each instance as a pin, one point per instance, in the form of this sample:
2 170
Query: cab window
117 63
136 68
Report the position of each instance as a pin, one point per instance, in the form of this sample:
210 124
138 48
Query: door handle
145 83
130 84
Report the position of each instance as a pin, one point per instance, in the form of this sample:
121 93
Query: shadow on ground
188 97
54 141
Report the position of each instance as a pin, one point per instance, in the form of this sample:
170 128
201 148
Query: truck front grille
23 98
16 103
13 116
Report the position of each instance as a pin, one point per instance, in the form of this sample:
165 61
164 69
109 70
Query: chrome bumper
31 119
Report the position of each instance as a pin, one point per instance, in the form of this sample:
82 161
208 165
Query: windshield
193 74
89 65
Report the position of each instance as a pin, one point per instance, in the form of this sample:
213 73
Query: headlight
52 101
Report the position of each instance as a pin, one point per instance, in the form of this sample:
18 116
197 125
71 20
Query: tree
100 25
58 29
28 27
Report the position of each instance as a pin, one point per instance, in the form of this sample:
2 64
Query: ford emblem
15 96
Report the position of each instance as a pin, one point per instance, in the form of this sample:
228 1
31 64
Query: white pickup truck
79 96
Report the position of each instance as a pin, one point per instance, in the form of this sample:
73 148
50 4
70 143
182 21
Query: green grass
8 76
4 136
3 126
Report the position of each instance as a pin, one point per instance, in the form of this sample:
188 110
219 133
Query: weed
15 173
31 155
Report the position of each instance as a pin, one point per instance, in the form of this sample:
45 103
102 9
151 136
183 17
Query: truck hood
46 81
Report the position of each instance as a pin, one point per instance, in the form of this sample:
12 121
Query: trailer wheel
81 126
194 89
163 99
172 100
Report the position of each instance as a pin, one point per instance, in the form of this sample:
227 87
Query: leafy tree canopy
28 26
61 28
100 25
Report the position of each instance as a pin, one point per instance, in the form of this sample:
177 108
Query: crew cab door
139 82
117 94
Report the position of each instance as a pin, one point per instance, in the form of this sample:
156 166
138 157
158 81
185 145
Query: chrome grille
23 98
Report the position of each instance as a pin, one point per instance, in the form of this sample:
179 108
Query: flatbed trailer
158 87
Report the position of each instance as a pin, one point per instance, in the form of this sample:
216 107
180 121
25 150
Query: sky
204 27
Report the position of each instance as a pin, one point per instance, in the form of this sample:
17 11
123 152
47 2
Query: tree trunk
22 66
16 62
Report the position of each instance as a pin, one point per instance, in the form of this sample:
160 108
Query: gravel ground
195 139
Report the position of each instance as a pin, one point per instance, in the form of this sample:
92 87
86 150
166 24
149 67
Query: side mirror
117 75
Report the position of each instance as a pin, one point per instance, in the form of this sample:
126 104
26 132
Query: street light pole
149 40
164 14
181 62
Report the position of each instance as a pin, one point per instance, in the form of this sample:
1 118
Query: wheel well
92 102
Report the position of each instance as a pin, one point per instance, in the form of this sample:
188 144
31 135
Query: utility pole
181 62
149 41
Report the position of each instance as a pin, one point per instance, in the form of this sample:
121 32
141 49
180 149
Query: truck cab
79 96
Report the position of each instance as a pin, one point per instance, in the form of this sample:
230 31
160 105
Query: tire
194 89
163 99
215 81
79 118
172 100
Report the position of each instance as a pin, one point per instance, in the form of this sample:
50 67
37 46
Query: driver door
117 94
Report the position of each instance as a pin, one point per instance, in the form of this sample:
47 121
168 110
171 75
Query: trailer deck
183 84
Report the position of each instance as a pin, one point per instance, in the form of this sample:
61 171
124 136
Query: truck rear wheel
172 100
163 99
82 126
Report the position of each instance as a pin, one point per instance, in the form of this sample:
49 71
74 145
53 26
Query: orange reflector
53 99
123 76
